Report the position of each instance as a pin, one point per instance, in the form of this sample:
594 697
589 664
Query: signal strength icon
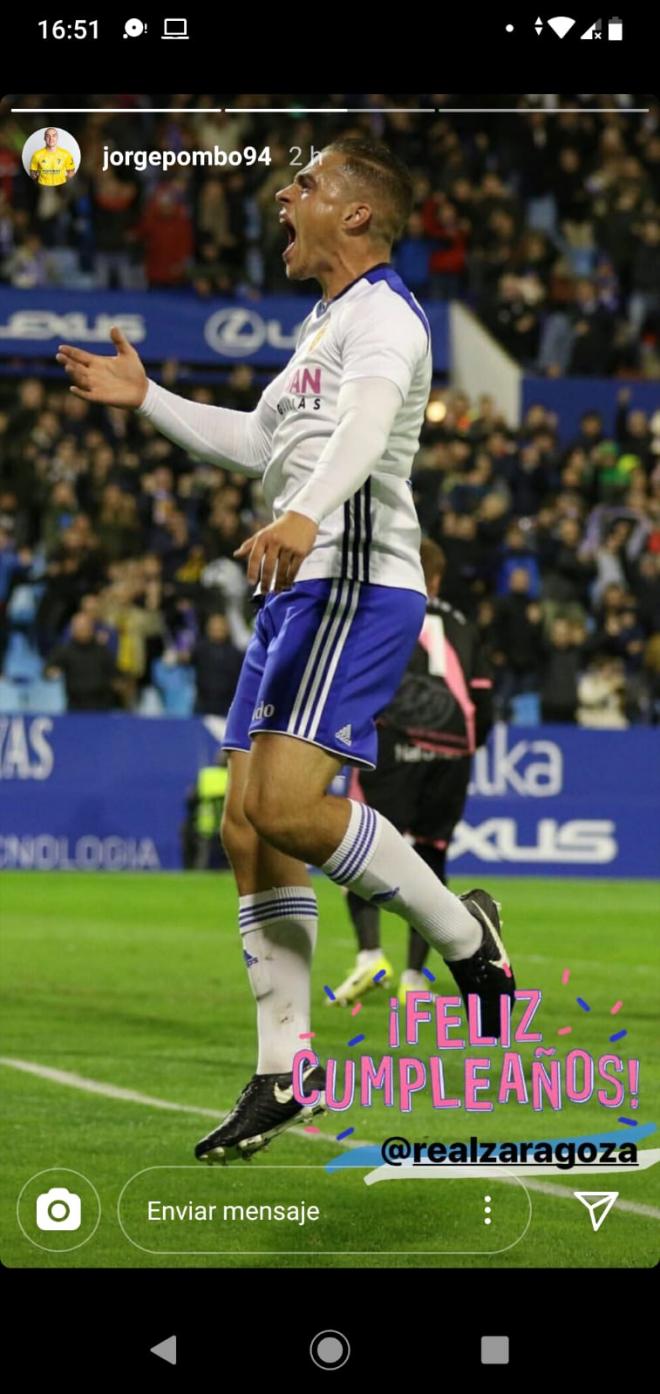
594 32
561 25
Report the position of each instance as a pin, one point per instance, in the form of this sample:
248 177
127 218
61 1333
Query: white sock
376 862
278 933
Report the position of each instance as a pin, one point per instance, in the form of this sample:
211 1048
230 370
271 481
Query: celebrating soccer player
333 439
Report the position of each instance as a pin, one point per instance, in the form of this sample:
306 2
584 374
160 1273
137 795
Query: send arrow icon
601 1201
166 1350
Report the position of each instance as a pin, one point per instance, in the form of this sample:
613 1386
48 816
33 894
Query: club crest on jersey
317 339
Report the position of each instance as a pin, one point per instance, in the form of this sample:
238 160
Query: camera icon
58 1209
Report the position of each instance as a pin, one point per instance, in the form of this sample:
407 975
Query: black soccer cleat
265 1108
487 973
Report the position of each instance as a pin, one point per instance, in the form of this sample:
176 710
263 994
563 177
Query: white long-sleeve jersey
326 446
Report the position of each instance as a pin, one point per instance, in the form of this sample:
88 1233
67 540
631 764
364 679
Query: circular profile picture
51 156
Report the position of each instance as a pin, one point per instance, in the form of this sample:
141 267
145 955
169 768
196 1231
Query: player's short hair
433 560
384 177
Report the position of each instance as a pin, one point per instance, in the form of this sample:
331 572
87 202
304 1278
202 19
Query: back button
166 1350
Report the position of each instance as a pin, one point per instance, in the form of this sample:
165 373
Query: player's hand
282 545
117 381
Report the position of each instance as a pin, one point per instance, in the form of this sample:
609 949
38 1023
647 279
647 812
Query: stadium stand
548 228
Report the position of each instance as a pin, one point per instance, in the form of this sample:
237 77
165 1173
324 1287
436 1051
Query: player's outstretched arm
216 434
117 380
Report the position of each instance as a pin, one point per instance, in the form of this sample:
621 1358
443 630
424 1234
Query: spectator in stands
217 664
224 532
633 431
166 231
621 635
601 695
87 667
646 585
518 639
513 318
118 526
128 608
29 266
413 256
610 558
448 235
74 568
115 211
644 304
569 573
561 670
91 606
592 333
518 553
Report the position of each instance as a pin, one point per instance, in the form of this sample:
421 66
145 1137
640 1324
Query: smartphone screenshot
329 698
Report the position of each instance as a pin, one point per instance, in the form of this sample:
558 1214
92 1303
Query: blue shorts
325 659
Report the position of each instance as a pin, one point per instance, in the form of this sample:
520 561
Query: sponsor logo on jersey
305 380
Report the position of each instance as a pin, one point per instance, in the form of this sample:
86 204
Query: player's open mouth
291 238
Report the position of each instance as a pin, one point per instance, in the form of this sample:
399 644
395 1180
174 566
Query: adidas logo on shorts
345 735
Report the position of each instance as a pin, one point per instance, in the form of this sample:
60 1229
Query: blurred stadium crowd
116 554
117 584
548 225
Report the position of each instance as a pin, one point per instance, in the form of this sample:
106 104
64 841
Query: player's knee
236 832
269 812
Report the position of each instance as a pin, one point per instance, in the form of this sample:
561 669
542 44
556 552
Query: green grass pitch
137 983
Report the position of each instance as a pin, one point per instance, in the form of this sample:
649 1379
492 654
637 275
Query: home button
330 1350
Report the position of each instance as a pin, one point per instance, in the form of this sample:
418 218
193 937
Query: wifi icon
561 25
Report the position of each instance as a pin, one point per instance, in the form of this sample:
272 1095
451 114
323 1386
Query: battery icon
615 29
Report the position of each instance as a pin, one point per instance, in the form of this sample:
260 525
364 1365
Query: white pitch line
132 1096
94 1086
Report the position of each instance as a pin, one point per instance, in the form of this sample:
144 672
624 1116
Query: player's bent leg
278 923
285 800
